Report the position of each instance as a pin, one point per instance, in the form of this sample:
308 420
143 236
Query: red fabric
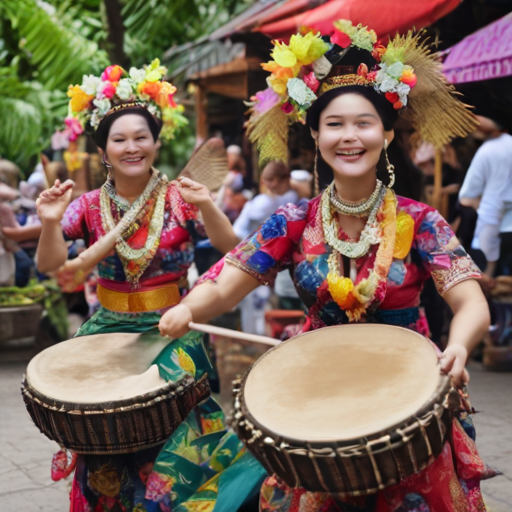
386 17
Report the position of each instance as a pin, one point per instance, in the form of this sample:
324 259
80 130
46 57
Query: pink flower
371 76
409 78
265 100
109 90
311 81
287 108
158 485
341 39
73 128
112 73
60 140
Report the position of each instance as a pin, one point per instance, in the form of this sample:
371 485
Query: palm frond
54 46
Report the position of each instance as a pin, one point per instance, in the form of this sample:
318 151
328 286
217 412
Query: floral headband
98 97
302 70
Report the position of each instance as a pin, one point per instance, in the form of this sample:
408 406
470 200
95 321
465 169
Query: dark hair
384 108
101 135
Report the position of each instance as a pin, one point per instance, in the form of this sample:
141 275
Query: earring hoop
389 166
315 171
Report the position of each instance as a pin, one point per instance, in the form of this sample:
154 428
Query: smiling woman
142 274
357 252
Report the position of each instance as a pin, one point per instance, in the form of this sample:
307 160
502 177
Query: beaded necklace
359 209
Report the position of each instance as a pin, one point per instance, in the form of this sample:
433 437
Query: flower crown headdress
98 97
405 72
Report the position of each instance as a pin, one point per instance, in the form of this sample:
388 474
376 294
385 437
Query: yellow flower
307 48
404 235
279 72
366 289
278 85
186 362
283 55
79 98
341 289
154 71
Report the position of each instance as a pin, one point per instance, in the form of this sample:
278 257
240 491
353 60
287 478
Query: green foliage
53 45
29 115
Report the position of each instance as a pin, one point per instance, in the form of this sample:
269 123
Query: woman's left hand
453 362
193 192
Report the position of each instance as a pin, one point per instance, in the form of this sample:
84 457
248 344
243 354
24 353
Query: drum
101 394
348 410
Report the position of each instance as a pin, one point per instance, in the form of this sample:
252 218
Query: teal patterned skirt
201 467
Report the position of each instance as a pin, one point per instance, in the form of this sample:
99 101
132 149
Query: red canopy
386 17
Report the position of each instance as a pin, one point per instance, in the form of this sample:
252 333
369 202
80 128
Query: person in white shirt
487 187
275 181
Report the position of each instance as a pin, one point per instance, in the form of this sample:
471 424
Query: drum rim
438 397
113 406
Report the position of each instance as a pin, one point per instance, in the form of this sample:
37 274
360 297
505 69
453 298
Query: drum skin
346 467
137 409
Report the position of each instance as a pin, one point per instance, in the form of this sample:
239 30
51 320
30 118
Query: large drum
347 409
101 394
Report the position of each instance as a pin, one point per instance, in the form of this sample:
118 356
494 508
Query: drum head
342 382
97 368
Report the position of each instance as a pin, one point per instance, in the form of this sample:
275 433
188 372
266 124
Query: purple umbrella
483 55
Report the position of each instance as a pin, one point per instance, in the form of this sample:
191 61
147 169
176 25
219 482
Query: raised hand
193 192
52 203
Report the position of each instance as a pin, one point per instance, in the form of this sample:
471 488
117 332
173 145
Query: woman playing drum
357 252
128 114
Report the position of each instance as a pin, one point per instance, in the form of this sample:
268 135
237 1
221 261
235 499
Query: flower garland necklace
356 299
135 261
369 236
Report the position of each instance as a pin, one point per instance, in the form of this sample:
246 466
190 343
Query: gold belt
138 302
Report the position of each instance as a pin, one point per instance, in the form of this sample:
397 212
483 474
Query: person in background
275 182
302 182
487 188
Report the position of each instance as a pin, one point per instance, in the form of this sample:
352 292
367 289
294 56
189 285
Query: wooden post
201 115
438 180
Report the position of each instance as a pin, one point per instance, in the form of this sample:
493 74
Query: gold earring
110 172
389 166
315 171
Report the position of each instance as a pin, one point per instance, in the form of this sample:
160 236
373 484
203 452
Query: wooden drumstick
230 333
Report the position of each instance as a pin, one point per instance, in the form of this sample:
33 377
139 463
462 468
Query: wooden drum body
348 410
101 394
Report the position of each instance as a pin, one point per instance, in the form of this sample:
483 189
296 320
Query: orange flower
164 97
378 52
409 78
112 73
152 89
279 72
79 99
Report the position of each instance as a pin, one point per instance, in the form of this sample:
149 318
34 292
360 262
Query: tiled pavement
25 454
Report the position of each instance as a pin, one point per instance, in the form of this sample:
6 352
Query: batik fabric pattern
293 239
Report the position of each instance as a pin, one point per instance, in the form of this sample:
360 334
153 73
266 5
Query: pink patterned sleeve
73 222
186 214
442 254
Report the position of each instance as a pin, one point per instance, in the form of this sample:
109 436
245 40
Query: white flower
95 121
103 105
321 67
300 92
124 89
403 89
90 84
137 75
388 84
381 75
153 109
396 69
403 99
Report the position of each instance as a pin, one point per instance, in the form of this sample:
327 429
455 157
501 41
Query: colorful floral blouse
293 239
175 253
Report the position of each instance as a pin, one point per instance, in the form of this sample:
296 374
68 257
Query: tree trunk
115 38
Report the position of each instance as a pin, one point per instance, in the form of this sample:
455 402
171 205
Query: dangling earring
110 173
389 166
315 171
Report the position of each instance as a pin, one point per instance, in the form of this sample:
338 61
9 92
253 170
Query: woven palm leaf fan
208 165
